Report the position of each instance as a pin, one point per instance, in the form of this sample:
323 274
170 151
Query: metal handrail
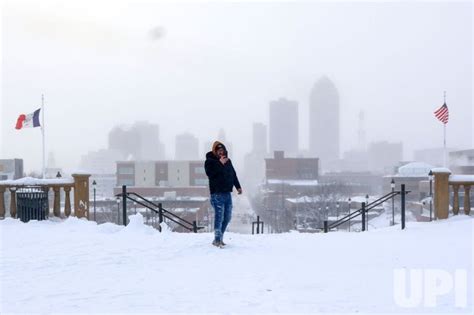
359 210
347 218
164 212
157 206
368 207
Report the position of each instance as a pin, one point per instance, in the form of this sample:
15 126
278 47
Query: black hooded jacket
222 178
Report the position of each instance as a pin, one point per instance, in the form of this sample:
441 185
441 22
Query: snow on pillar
81 195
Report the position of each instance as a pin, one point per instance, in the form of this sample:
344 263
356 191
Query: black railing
258 224
365 208
157 208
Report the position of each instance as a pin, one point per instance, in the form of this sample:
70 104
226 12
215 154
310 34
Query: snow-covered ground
80 267
242 215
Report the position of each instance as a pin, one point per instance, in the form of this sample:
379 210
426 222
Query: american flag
442 113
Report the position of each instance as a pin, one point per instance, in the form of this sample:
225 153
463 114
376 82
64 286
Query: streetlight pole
367 203
93 185
392 184
430 175
327 213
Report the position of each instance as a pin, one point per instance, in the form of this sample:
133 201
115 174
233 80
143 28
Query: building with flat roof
11 169
281 167
140 141
164 174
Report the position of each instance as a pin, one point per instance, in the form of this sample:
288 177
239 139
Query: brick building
281 167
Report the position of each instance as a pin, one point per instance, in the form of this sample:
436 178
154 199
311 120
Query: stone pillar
67 201
13 202
81 195
2 202
456 199
57 202
46 190
467 199
441 193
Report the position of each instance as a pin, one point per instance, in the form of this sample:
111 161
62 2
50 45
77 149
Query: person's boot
216 243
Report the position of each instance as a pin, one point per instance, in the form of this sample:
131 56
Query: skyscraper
150 145
187 147
284 126
324 121
259 144
140 141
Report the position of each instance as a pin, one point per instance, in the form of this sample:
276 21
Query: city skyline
184 82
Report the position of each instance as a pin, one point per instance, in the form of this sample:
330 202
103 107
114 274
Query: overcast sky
212 65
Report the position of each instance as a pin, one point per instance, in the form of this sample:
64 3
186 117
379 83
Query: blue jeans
222 204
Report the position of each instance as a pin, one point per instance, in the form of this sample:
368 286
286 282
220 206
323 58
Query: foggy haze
201 67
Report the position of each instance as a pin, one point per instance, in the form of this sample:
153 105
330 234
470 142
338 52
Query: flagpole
445 153
42 132
444 143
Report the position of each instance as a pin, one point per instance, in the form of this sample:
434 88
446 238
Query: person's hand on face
222 158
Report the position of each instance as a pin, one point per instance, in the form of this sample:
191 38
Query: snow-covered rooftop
180 198
303 199
179 210
294 182
415 169
363 199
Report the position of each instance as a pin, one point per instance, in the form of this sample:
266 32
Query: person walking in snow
222 179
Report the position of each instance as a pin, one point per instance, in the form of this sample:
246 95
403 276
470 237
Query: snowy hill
78 266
